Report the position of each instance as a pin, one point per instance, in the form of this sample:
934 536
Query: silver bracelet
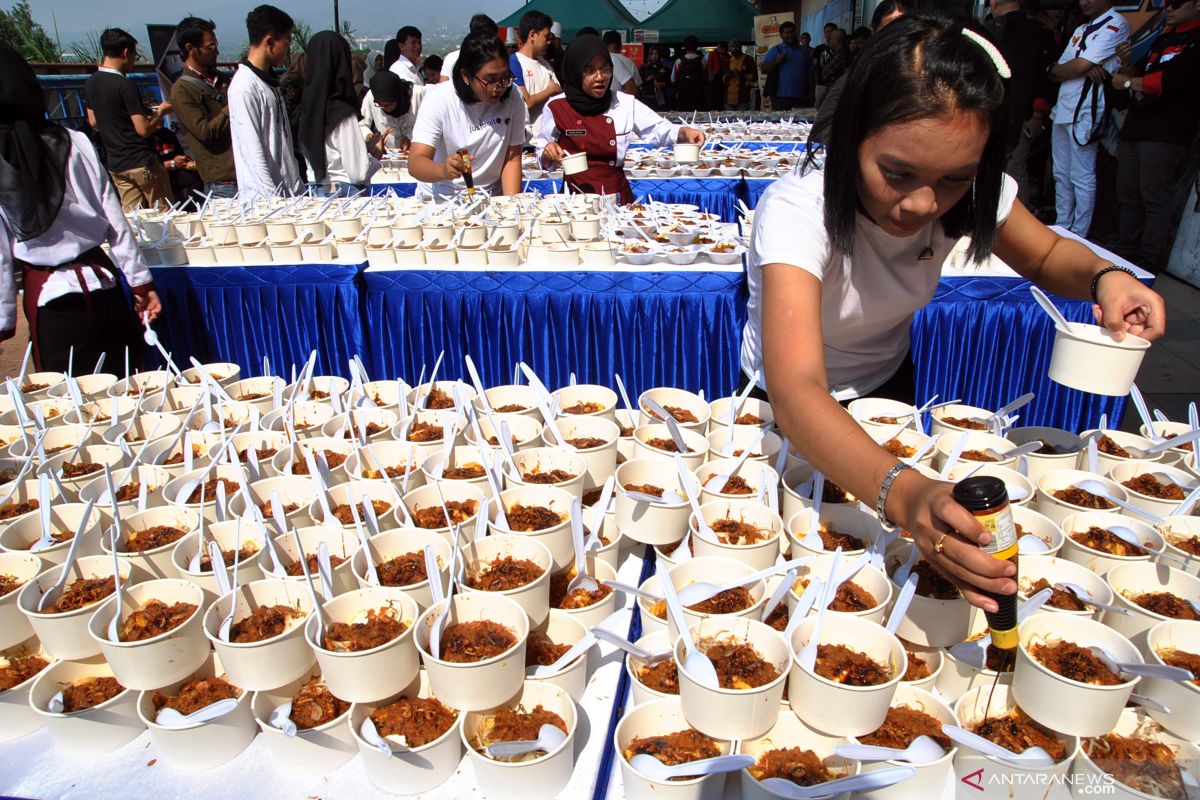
884 489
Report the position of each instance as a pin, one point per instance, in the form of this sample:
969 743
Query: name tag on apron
575 133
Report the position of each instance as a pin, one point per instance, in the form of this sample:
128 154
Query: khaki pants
143 187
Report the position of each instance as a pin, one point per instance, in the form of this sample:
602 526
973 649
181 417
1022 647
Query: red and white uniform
604 137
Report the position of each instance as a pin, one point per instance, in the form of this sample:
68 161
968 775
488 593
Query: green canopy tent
707 20
600 14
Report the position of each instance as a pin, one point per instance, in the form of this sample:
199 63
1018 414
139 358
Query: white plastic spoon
1028 545
1086 598
959 446
867 781
319 612
669 421
549 738
227 622
785 585
1016 452
695 662
924 449
386 745
573 652
52 595
922 750
722 479
700 591
650 767
1163 446
601 507
902 602
1033 756
1182 509
736 406
1139 402
807 657
581 580
1160 671
1100 490
625 397
633 590
647 656
1048 306
114 628
439 594
281 718
170 718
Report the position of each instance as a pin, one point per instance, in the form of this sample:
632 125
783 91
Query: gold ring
940 544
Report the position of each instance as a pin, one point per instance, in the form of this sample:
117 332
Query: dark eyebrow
900 163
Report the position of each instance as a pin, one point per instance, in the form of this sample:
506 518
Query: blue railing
64 95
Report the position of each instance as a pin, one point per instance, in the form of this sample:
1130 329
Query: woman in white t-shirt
841 261
476 110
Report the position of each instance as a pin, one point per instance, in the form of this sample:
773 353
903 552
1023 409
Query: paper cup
1091 772
533 597
1089 358
201 745
930 622
17 717
1010 780
642 521
412 771
454 491
697 445
730 442
791 732
1182 698
312 751
574 163
860 709
1039 463
105 454
1176 532
1036 524
352 493
797 490
1057 570
841 518
1060 703
976 440
1145 577
563 628
14 626
751 406
933 659
931 776
65 635
94 731
503 400
733 713
639 692
227 535
481 684
1128 470
541 777
285 462
601 459
547 459
162 659
761 554
871 580
702 569
341 542
272 662
1096 560
172 491
676 398
686 153
1058 510
1122 439
938 417
368 674
389 545
656 718
526 430
557 538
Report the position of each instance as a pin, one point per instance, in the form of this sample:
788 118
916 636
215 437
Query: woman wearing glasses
477 110
591 117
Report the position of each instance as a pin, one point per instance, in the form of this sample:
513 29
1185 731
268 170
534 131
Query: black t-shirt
114 99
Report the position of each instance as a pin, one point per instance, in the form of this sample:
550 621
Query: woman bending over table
591 117
332 142
476 110
57 207
840 261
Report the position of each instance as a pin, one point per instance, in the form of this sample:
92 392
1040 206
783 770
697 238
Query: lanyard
1088 31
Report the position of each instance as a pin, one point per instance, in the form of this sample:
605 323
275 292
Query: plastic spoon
227 622
777 596
867 781
902 602
1028 545
672 425
51 596
194 564
1160 671
114 623
575 651
1182 509
281 718
695 662
325 570
1016 452
549 738
650 767
625 396
170 718
1163 446
647 656
1033 756
372 573
581 580
312 590
435 588
700 591
1085 597
633 590
807 657
923 449
812 539
386 745
1100 490
922 750
1139 403
602 504
740 400
959 447
722 479
1048 306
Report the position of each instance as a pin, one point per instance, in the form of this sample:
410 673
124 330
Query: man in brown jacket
201 105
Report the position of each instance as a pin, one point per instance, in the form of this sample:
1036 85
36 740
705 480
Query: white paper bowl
226 535
1036 524
1128 470
930 621
272 662
24 531
526 430
173 488
294 490
697 445
1060 703
538 779
792 732
1056 480
312 751
955 411
1095 560
105 454
204 745
841 518
352 493
342 542
656 718
601 460
156 561
386 393
1039 463
433 467
1089 358
481 684
94 731
934 659
976 440
678 399
546 459
162 659
453 491
711 570
65 635
372 674
1142 577
726 441
640 693
733 713
17 717
14 626
1107 461
415 771
1174 531
1089 772
56 437
931 776
1012 780
564 629
505 396
1057 570
533 597
871 580
391 544
759 555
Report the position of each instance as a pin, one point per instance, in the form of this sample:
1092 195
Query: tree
301 33
18 26
89 50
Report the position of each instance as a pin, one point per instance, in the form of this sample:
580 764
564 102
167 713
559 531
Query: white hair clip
992 51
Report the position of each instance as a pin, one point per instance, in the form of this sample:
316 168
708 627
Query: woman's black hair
477 49
918 67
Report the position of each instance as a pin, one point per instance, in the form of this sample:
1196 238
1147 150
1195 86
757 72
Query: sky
76 19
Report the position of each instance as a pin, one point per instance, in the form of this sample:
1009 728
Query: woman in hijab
387 118
57 206
330 139
591 117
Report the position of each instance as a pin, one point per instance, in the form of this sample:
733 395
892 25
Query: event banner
766 30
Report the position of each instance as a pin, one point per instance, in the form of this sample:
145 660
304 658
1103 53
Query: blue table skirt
241 314
983 340
655 328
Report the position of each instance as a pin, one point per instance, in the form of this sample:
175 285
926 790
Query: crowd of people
924 118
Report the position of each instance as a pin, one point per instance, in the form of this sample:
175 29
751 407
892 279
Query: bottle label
999 523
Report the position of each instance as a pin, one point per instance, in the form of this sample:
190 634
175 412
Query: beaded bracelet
1110 268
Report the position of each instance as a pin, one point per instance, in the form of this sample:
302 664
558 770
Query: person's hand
405 144
949 538
1097 74
164 109
453 167
1034 127
691 135
181 162
1125 51
552 154
147 306
1129 306
781 54
554 88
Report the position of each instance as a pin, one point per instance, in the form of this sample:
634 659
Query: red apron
597 136
35 278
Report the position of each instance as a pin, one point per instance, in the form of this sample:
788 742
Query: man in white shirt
1083 70
626 77
406 66
535 77
258 118
479 22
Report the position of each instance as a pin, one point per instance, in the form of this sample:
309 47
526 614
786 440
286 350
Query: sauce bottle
986 497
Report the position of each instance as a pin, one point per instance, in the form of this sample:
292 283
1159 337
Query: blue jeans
221 188
335 189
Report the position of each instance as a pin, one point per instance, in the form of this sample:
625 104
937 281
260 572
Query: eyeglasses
208 48
591 73
496 84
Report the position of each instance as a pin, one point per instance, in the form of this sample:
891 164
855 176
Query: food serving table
35 767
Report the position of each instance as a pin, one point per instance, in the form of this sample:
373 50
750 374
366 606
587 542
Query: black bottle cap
980 492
